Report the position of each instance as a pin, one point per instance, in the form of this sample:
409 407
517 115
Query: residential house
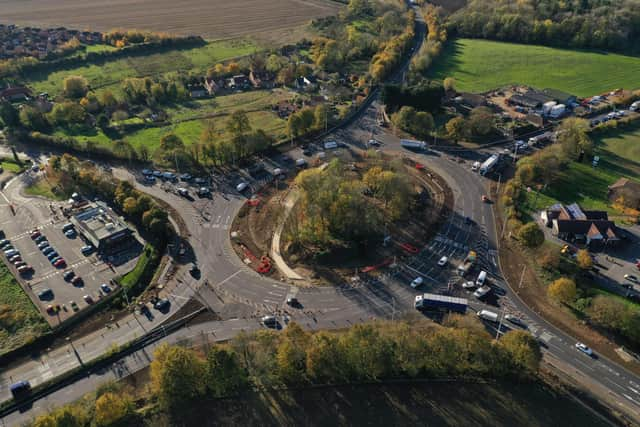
307 83
197 91
573 224
212 86
626 191
239 82
261 79
559 96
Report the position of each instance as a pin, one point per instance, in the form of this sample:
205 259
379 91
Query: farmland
210 19
481 65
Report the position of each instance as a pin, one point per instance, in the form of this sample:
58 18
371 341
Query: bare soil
210 19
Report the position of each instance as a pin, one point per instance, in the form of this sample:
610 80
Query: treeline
602 24
338 205
434 17
391 53
182 379
21 67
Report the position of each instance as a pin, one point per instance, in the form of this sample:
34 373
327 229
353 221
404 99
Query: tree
524 351
531 235
562 290
573 137
107 100
177 377
225 375
583 258
325 361
238 123
171 141
112 409
456 128
32 118
481 121
449 84
75 87
291 354
9 114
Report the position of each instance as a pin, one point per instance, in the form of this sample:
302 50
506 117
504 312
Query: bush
550 260
531 235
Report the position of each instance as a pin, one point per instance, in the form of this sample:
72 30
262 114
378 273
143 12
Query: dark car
162 305
269 321
185 177
68 275
77 281
293 302
53 255
86 250
45 294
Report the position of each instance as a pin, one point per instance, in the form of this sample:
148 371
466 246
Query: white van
330 145
481 278
476 166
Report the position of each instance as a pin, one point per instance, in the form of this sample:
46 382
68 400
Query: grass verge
581 73
20 321
137 280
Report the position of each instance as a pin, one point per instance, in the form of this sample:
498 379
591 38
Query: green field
481 65
111 73
20 321
622 149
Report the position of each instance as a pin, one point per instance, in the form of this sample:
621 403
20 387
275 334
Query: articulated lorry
441 302
466 265
489 164
413 145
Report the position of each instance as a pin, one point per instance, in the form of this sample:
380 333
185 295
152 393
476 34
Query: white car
417 282
583 348
631 278
443 261
469 284
480 292
374 142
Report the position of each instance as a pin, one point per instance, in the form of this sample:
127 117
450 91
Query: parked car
147 172
70 233
15 258
68 226
20 263
11 252
53 255
269 321
35 234
86 250
469 284
45 294
77 281
443 261
60 263
4 242
105 288
74 306
88 299
25 269
43 245
418 281
185 177
48 250
157 174
162 304
68 275
631 278
583 348
292 302
150 179
41 238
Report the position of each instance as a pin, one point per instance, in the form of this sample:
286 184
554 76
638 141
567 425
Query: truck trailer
413 145
489 164
441 302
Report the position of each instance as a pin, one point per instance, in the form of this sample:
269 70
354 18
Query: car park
584 349
418 281
105 288
443 261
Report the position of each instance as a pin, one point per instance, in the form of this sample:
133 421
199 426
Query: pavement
241 296
276 256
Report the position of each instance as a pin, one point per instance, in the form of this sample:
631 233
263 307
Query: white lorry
489 164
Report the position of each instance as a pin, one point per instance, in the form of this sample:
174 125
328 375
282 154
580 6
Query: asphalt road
234 290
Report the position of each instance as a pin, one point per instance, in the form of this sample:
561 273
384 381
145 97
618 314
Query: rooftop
97 221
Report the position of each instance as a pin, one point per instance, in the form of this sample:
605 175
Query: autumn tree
177 377
531 235
584 260
449 84
573 137
224 373
113 409
523 350
481 121
457 128
562 290
238 123
75 87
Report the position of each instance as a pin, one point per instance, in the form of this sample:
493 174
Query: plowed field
208 18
